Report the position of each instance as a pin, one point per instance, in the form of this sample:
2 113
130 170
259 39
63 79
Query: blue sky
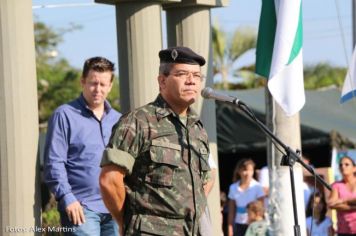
327 27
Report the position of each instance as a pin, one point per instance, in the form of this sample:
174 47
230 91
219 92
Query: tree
227 50
323 75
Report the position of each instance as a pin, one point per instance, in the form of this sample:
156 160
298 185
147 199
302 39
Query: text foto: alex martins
18 229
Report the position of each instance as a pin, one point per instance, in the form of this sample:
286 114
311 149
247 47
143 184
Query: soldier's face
96 87
182 86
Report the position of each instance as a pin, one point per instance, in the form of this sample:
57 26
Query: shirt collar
83 103
163 110
162 107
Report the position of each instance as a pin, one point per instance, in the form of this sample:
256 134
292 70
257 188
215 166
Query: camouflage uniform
167 166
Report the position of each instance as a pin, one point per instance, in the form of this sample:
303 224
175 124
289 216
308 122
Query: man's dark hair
99 64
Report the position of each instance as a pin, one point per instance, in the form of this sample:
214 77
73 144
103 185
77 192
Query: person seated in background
257 224
245 189
317 222
343 198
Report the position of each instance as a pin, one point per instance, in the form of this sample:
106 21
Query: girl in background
242 191
322 224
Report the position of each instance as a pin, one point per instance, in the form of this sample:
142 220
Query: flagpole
353 23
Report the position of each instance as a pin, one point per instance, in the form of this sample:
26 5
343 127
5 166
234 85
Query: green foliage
57 84
114 95
250 78
56 79
323 75
51 218
219 44
46 40
243 40
227 50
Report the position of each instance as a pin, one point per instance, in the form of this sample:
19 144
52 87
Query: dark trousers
240 229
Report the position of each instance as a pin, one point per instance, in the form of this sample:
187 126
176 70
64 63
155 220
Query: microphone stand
289 158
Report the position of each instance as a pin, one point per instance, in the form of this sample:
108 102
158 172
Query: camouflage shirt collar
163 109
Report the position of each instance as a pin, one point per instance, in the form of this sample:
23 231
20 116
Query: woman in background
343 198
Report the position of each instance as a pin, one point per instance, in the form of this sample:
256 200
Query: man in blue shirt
76 138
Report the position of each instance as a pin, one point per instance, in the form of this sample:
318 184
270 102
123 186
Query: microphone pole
289 156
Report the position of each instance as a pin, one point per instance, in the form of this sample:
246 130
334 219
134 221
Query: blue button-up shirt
74 146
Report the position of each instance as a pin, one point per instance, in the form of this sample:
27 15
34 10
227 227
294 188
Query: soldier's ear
162 81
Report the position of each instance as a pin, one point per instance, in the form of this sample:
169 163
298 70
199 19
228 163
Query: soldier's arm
210 184
113 191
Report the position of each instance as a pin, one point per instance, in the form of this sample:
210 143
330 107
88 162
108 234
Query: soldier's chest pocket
165 160
200 163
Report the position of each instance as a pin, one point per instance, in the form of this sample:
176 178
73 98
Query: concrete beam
186 3
114 2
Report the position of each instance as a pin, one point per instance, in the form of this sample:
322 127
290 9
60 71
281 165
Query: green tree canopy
228 49
323 75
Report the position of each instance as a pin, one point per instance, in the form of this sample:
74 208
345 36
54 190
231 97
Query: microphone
209 93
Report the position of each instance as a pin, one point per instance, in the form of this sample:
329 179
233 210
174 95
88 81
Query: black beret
180 55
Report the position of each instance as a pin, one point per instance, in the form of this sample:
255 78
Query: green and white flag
279 52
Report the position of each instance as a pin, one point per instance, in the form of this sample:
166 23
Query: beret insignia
174 54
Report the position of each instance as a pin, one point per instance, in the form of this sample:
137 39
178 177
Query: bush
51 218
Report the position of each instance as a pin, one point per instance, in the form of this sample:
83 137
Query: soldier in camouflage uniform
156 164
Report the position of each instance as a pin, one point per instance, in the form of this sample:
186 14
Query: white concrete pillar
189 24
139 35
19 200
